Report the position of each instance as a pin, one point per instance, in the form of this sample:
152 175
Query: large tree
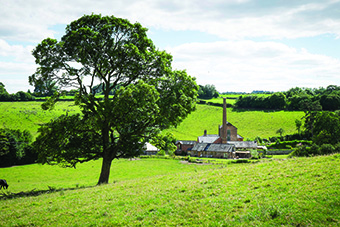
149 96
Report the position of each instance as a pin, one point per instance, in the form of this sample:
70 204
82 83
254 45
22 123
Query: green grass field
250 124
29 115
158 192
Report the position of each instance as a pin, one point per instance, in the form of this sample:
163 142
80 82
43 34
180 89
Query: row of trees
19 96
295 99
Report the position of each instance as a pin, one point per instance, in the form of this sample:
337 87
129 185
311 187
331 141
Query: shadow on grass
4 195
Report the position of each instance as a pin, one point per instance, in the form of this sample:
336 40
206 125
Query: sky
236 45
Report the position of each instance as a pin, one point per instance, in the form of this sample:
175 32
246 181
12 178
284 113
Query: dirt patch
189 163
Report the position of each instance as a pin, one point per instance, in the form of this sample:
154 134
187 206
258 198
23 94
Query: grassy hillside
29 115
293 192
249 123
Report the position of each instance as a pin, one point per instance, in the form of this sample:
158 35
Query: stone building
227 144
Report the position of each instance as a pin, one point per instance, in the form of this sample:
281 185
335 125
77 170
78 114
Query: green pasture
29 115
158 192
250 124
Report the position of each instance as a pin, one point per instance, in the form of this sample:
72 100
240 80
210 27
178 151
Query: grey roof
199 147
244 144
187 142
213 147
208 138
221 147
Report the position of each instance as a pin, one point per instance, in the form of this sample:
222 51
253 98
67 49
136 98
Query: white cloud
31 20
249 65
233 64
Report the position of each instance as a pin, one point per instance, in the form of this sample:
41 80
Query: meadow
250 123
159 192
30 115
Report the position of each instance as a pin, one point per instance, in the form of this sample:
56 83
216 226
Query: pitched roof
150 147
244 144
221 147
199 147
208 138
212 147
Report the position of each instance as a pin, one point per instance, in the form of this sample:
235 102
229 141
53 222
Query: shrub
16 148
254 154
327 149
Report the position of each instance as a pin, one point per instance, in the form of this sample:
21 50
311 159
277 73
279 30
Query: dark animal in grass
3 184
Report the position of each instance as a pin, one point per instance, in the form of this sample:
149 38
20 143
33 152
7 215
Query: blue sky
236 45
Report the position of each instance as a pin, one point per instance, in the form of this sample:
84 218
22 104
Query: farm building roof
244 144
213 147
199 147
221 147
208 138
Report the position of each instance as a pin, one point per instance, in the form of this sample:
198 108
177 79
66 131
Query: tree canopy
149 95
207 91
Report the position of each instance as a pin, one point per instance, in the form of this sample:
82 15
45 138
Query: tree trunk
105 173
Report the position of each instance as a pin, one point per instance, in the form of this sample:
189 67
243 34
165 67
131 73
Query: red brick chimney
224 123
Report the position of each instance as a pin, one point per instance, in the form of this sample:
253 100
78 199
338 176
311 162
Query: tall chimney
224 123
205 133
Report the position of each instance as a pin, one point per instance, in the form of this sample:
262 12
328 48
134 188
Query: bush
16 148
327 149
288 144
254 154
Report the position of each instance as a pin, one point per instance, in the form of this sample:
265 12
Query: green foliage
274 101
67 140
303 99
165 142
207 92
280 131
149 96
326 127
324 149
15 147
288 144
19 96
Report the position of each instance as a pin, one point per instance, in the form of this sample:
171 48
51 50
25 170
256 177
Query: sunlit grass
250 124
289 192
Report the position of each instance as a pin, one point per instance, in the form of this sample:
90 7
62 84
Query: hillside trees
302 99
149 96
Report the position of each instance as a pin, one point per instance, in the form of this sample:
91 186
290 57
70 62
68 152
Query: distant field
231 99
154 192
29 115
249 123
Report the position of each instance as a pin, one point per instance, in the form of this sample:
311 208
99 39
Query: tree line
19 96
302 99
